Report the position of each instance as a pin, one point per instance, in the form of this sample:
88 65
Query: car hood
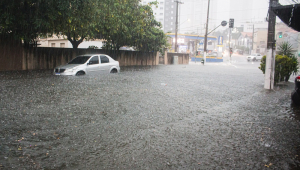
68 66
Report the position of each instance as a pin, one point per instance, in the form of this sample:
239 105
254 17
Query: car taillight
298 78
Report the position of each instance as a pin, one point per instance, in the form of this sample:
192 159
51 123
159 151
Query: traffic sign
224 23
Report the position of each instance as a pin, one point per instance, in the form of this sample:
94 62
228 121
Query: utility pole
252 39
270 60
176 29
231 25
205 39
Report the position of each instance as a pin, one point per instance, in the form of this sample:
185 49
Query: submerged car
88 64
296 92
254 57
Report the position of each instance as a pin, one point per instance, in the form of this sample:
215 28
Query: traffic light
231 23
280 34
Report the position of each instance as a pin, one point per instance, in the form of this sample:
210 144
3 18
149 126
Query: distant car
88 64
254 57
296 92
216 54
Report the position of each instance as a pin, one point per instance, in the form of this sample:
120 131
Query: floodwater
159 117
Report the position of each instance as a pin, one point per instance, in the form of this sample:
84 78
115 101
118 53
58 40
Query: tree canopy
119 22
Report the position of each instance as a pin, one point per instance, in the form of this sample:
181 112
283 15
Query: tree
285 48
25 19
127 23
76 19
119 22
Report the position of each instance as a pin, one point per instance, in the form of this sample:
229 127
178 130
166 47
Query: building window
171 12
52 44
161 3
161 14
171 17
161 8
171 23
172 6
62 45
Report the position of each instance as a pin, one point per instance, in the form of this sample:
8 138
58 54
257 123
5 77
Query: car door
105 64
93 64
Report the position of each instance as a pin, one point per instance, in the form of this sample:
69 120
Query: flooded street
217 116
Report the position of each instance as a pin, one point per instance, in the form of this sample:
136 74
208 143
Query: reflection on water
295 112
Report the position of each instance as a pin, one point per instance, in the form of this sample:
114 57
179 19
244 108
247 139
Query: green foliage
25 19
131 24
76 19
284 67
285 48
119 22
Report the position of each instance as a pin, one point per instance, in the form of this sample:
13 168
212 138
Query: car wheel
114 71
80 73
254 59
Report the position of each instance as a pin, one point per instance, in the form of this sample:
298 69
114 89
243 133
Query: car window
104 59
79 60
94 60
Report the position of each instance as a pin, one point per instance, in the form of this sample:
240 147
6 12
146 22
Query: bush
284 67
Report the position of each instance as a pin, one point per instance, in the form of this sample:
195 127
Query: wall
15 57
10 52
183 58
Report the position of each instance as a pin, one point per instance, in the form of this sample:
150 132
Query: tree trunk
74 42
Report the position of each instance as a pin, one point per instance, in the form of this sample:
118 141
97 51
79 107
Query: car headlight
71 69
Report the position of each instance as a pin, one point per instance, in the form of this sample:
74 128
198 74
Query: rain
160 112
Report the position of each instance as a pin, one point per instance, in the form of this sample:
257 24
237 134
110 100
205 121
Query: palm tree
285 48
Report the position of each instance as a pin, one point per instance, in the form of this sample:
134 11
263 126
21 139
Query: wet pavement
216 116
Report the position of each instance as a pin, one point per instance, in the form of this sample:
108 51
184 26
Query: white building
158 11
62 42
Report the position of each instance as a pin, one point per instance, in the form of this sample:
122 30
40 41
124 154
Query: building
245 42
287 35
170 16
165 13
62 42
260 41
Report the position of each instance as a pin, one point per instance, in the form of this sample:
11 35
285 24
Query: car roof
90 55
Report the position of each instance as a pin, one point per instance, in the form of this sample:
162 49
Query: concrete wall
183 58
15 57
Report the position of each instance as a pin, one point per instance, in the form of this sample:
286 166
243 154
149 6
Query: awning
289 14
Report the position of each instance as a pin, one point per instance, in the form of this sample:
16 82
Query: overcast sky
193 13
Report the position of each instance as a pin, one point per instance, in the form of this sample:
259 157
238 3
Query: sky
193 13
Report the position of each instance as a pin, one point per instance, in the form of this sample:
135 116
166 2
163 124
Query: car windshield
79 60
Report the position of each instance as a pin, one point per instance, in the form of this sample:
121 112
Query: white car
87 64
254 57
